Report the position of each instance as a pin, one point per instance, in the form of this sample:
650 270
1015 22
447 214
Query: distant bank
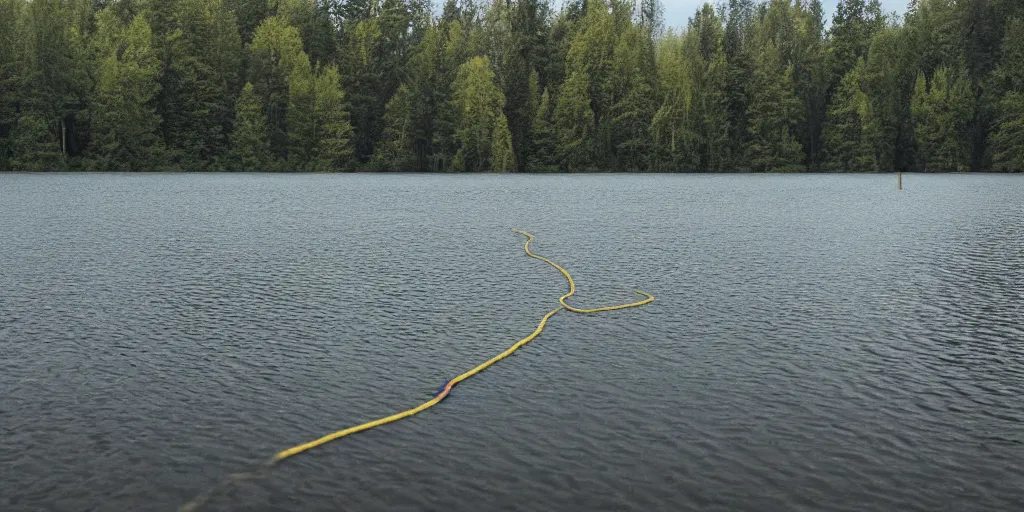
523 85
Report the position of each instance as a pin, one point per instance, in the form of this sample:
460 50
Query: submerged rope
442 393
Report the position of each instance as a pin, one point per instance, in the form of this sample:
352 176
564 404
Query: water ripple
818 342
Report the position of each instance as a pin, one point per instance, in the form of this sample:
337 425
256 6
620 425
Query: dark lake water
818 342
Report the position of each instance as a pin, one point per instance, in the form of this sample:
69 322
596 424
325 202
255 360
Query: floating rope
445 389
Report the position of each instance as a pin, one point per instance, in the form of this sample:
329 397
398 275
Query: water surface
818 342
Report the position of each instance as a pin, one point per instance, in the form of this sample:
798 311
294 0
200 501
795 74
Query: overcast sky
677 12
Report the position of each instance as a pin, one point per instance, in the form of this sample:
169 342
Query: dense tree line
513 85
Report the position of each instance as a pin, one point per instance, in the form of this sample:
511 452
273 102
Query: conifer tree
313 20
739 51
10 62
811 79
632 95
125 122
941 112
673 126
774 112
333 148
55 72
888 81
503 158
249 14
574 123
542 159
35 147
749 85
523 50
250 145
1008 139
275 54
395 151
849 137
853 25
716 152
205 58
479 103
301 117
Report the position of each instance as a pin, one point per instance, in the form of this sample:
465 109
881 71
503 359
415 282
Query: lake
818 342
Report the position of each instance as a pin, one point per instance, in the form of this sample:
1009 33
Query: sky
677 12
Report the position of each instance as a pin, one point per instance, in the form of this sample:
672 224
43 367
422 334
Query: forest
510 86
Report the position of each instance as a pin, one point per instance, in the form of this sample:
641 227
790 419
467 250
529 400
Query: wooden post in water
899 179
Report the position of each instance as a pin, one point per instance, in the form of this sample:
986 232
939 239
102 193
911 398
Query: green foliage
313 20
938 34
632 106
590 61
811 79
125 123
692 127
543 158
432 118
773 114
250 144
482 131
249 13
35 146
522 51
375 52
941 112
204 54
332 150
673 125
10 63
300 115
396 151
713 108
1008 139
1009 76
574 123
275 52
853 25
850 136
54 70
888 80
503 159
601 85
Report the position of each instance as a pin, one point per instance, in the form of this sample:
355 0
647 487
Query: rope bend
446 389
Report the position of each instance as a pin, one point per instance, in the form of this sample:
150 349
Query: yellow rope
572 284
291 452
